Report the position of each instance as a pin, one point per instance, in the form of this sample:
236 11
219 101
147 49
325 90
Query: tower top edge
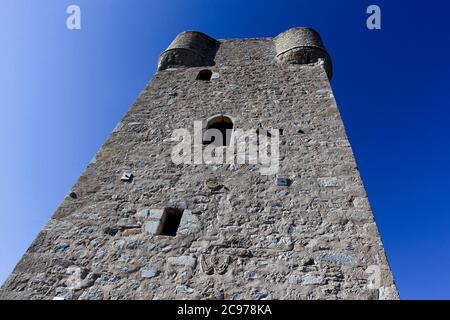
195 33
290 30
297 45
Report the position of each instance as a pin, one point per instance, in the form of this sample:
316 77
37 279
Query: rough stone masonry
137 226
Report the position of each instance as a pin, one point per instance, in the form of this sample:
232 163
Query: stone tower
138 225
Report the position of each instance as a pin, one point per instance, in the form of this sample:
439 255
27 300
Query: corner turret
302 46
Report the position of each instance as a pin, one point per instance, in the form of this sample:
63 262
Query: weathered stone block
152 227
148 272
328 182
184 261
127 177
183 290
153 214
311 280
189 224
339 258
63 293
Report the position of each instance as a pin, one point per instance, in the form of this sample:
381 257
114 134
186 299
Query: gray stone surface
311 279
185 261
340 258
246 238
127 177
328 182
183 289
152 214
152 227
63 293
148 272
189 224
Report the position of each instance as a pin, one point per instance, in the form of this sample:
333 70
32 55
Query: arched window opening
204 75
219 124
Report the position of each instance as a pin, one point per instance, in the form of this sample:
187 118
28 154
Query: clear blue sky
62 92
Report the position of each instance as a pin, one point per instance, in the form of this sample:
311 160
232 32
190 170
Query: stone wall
243 236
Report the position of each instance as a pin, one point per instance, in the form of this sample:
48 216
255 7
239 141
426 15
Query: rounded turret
302 46
189 49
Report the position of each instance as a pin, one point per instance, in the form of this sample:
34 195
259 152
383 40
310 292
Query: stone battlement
294 46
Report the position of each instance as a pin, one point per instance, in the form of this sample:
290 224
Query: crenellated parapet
189 49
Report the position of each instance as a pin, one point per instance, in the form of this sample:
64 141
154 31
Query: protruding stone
311 280
361 203
181 205
260 294
338 258
61 248
171 98
63 293
328 182
127 177
76 278
184 261
152 227
251 275
184 289
213 184
283 182
152 214
388 293
148 272
189 224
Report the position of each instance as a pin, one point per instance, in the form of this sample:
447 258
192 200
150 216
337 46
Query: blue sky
62 92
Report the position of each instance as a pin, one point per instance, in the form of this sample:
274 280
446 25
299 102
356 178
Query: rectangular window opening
170 222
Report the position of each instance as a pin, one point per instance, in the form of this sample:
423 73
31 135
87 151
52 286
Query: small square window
283 182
